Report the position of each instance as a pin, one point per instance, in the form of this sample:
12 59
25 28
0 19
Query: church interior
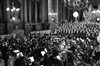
36 15
29 25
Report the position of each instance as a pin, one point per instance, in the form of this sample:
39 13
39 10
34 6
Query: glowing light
75 14
98 19
17 9
13 18
8 9
52 19
98 11
12 10
93 11
52 13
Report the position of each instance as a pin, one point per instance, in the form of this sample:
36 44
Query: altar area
89 27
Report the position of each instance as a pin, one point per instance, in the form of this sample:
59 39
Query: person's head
62 45
5 43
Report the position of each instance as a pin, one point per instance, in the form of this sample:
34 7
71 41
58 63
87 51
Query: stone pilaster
68 14
43 10
22 9
36 11
30 10
8 6
25 11
64 13
57 11
49 10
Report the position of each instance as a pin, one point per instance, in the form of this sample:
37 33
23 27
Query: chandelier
76 4
13 12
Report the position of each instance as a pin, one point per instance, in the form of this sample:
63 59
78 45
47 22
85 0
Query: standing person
66 55
97 50
20 61
96 54
5 55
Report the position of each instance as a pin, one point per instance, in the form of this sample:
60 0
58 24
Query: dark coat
19 62
5 54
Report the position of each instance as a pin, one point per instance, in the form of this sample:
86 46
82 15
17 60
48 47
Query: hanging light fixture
75 14
13 12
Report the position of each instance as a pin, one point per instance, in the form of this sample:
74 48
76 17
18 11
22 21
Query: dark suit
19 62
5 55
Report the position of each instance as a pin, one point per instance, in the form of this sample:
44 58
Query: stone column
49 9
25 11
8 6
30 11
36 11
43 10
22 10
9 24
53 8
57 11
64 10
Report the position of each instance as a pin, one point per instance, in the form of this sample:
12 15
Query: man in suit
5 54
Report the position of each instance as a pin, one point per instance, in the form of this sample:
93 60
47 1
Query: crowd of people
84 36
81 29
25 44
72 48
